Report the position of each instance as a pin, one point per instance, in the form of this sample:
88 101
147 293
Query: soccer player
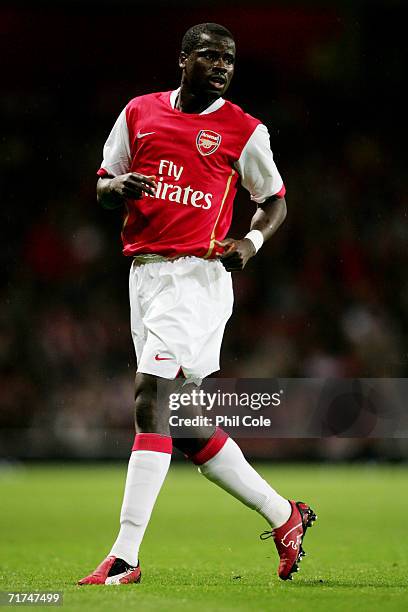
173 160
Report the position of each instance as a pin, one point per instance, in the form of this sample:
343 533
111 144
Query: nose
220 64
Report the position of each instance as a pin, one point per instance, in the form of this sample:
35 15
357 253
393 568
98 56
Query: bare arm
269 216
111 191
267 219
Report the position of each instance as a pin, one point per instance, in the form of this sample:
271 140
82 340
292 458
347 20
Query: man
174 160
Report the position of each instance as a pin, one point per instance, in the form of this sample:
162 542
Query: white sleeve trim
116 152
259 174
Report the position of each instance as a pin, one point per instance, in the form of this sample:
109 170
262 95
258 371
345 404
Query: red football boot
288 538
113 571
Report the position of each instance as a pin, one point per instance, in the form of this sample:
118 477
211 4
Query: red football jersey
192 157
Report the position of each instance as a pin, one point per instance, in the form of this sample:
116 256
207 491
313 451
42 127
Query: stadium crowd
326 297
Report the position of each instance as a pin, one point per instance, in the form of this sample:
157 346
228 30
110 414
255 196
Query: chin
215 93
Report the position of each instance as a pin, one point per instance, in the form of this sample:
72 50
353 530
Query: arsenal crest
207 142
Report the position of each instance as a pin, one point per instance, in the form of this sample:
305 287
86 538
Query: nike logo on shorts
157 358
140 135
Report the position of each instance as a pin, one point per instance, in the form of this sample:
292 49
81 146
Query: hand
236 253
133 185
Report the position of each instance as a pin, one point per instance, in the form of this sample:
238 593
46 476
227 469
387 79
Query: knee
149 416
145 401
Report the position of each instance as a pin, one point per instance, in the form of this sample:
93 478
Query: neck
189 102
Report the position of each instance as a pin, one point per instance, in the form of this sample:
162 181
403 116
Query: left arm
260 176
267 218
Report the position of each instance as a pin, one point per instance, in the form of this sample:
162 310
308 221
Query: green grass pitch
201 551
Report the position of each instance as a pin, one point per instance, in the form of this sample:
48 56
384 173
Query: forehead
216 42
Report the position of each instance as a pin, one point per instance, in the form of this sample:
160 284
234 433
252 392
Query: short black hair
192 37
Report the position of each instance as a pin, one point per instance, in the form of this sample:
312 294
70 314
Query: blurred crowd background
326 297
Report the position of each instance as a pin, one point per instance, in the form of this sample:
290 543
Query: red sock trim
153 442
213 446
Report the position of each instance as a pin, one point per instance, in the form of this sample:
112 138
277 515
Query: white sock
146 473
230 470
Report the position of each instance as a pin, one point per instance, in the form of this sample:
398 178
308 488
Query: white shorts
179 310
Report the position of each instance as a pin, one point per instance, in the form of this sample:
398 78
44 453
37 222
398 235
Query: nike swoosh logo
140 135
157 358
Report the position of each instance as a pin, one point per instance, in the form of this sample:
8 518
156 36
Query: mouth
217 81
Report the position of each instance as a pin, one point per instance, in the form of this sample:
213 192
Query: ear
182 59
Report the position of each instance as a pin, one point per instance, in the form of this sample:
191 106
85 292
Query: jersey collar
210 109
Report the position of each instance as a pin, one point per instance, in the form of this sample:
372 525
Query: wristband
257 239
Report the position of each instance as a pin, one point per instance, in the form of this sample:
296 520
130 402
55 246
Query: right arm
116 183
112 191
